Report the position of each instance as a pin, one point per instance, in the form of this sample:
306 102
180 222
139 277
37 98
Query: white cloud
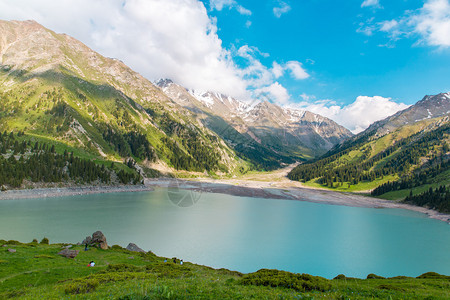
243 11
432 23
294 67
255 73
297 70
277 70
158 38
367 3
274 93
358 115
220 4
306 97
162 39
388 25
281 9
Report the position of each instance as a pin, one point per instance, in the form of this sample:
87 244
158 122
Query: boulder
69 253
97 239
134 248
87 240
12 250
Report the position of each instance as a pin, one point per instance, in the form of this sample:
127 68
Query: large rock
134 248
69 253
12 250
97 239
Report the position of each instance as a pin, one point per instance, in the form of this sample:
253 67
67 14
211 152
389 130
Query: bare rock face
97 239
69 253
134 248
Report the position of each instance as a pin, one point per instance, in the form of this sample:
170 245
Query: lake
242 233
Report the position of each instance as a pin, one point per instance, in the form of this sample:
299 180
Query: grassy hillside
378 160
412 157
72 96
36 271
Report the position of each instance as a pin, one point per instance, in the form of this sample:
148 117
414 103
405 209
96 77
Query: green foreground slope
36 271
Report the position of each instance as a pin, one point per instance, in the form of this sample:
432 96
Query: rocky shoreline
70 191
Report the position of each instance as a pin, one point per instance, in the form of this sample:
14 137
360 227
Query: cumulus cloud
220 4
367 3
297 70
430 24
294 67
277 70
158 38
358 115
163 39
274 93
281 8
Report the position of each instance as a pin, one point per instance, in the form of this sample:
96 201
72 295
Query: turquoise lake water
242 233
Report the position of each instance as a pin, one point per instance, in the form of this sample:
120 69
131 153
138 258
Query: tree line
438 199
422 177
39 162
399 158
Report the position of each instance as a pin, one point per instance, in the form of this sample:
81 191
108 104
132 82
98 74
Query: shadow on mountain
261 155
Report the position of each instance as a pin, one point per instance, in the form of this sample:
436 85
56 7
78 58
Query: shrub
117 247
229 272
374 276
34 241
44 241
276 278
340 276
169 270
81 286
13 242
122 268
433 275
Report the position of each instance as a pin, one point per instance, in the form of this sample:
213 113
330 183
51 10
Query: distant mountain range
55 89
288 132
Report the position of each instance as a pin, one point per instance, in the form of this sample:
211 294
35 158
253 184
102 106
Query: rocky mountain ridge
296 131
430 107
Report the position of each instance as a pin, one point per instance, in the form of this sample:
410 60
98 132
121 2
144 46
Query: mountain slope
410 148
288 132
55 88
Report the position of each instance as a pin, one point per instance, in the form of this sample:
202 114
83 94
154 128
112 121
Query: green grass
362 186
35 271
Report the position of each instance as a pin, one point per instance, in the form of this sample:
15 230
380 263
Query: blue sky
354 61
336 45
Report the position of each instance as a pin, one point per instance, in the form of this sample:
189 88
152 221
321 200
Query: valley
100 123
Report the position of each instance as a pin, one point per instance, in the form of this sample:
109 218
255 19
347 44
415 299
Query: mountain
56 90
428 108
287 132
402 154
